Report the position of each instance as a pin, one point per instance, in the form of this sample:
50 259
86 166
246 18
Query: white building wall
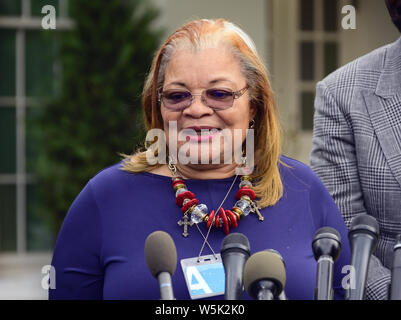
251 16
373 30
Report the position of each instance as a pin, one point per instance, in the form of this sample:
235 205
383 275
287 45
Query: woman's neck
199 172
206 171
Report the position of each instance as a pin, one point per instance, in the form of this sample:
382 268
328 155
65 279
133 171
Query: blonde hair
204 33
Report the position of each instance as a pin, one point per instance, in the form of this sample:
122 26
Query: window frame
21 179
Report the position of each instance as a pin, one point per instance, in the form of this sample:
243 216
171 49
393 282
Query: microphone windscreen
327 233
326 242
236 242
160 253
268 265
364 223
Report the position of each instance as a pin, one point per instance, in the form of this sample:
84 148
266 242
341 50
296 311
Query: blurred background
70 96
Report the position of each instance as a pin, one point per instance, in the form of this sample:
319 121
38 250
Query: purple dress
99 253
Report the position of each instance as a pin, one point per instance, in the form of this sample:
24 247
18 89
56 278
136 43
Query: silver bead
180 190
245 183
244 206
198 213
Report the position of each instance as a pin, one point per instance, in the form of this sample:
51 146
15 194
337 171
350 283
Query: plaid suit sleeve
334 160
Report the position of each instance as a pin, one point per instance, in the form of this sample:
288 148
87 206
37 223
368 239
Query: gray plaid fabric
357 148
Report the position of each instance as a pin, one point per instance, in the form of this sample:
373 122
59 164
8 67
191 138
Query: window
318 51
27 64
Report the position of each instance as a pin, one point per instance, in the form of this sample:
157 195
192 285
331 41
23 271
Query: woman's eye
177 96
219 94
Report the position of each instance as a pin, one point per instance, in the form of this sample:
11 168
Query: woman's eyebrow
214 81
178 83
221 79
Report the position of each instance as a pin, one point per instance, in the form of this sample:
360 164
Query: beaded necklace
195 212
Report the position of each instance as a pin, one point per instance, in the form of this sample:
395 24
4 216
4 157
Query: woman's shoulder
114 177
288 164
109 174
298 177
296 172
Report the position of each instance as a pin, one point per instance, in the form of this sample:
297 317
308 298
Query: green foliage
97 114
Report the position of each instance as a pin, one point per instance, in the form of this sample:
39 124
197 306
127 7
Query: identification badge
204 278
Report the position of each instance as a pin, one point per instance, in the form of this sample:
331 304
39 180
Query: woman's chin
200 161
205 153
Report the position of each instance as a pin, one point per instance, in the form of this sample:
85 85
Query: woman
206 89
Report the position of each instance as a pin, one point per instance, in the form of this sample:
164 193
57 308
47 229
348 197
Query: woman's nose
198 107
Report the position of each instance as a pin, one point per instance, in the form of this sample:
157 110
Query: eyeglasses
217 99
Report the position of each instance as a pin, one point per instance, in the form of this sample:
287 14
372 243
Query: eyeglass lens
214 98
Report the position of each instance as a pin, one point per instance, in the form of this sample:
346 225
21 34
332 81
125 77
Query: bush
97 114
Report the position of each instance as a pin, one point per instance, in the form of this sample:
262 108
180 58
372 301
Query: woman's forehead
209 65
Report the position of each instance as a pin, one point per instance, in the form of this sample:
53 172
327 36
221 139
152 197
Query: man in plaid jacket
357 146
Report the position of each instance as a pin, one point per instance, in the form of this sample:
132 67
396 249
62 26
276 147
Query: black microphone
326 246
161 258
235 251
395 292
264 275
363 234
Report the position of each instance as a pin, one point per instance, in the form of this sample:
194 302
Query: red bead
174 183
189 204
217 221
184 195
233 220
226 227
209 222
245 192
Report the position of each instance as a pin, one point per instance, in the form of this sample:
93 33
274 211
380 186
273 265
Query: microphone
363 234
235 252
264 275
395 293
326 246
161 258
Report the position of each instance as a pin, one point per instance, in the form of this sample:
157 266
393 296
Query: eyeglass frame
235 94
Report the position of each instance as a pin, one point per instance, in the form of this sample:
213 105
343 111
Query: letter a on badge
201 283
